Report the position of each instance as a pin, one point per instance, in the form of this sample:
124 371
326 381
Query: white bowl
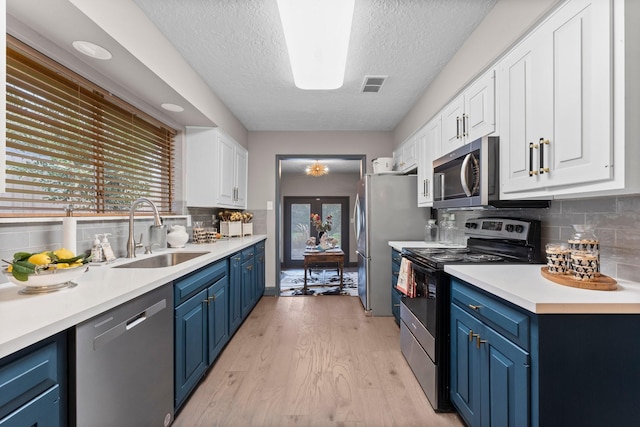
47 280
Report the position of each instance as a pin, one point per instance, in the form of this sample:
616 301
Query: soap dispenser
97 255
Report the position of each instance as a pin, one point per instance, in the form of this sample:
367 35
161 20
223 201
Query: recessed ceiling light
172 107
317 35
92 50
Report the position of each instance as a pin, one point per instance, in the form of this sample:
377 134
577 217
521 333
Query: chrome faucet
131 242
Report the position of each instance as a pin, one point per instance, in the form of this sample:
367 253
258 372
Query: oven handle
417 265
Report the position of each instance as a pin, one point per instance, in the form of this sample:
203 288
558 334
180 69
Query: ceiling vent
372 84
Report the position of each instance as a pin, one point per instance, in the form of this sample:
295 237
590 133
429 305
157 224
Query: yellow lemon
62 265
63 253
75 264
40 259
9 268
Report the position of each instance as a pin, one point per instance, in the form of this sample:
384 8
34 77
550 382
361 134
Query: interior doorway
297 227
283 176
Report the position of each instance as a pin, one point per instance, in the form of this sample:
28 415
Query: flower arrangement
316 220
244 217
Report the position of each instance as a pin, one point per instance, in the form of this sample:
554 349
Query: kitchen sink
163 260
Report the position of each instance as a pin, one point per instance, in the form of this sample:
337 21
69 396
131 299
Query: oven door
424 306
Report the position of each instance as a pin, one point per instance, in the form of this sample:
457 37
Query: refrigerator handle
355 216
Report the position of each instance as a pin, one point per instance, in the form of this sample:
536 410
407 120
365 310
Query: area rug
320 282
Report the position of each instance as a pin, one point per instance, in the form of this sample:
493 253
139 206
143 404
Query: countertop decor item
599 283
177 236
52 279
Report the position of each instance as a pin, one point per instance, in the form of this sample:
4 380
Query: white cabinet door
216 169
429 140
405 157
479 117
242 170
452 132
525 92
471 115
556 102
226 172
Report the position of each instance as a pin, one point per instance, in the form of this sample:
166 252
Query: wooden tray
600 283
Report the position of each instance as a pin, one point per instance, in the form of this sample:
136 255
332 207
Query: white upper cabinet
216 169
556 103
405 157
471 115
429 143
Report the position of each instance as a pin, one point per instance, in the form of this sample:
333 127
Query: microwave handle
463 174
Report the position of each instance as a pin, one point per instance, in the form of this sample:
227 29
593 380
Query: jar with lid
431 232
584 241
449 234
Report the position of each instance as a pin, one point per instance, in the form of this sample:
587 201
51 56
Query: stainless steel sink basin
162 260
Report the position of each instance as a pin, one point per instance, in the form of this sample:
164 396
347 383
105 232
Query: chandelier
317 169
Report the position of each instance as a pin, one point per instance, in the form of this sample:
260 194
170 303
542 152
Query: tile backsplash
616 222
34 236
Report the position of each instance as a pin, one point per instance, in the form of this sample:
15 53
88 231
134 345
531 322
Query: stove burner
458 250
447 257
482 257
429 251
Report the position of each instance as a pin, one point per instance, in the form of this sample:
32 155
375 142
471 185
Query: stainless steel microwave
469 177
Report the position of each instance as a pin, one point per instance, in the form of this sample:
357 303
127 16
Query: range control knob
509 228
519 228
471 225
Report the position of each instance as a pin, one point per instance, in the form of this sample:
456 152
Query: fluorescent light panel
317 34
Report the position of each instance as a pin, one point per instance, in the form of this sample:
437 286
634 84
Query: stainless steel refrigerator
385 209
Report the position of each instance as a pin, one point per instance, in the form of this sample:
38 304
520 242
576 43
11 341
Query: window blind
69 142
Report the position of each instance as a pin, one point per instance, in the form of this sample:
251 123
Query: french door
298 228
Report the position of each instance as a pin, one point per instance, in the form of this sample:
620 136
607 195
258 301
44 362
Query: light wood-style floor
312 361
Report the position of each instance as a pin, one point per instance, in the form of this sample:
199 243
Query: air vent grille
373 84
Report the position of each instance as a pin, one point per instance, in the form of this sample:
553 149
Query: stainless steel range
424 326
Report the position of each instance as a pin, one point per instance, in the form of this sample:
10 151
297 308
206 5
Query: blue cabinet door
248 287
465 365
218 317
260 273
235 292
506 373
190 344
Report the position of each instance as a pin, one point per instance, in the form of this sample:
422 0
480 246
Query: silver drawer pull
475 307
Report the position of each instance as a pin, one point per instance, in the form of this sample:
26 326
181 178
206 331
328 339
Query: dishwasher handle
129 324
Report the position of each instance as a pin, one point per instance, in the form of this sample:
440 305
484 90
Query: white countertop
27 319
399 245
524 286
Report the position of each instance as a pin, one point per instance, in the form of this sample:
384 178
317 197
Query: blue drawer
510 322
194 282
26 377
248 253
260 247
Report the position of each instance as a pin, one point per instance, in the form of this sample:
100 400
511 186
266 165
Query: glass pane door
298 227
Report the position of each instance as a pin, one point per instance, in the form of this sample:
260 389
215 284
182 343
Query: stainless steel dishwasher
124 364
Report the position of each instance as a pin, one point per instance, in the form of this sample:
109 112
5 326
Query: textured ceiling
238 48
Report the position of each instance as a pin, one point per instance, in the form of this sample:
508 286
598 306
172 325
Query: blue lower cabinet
218 317
490 373
260 270
235 292
465 387
190 345
201 324
248 287
33 385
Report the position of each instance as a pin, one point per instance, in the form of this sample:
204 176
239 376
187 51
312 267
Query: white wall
263 148
507 22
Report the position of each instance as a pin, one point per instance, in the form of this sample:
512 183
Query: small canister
431 232
558 258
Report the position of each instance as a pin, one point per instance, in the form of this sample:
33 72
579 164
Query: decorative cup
558 258
584 265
